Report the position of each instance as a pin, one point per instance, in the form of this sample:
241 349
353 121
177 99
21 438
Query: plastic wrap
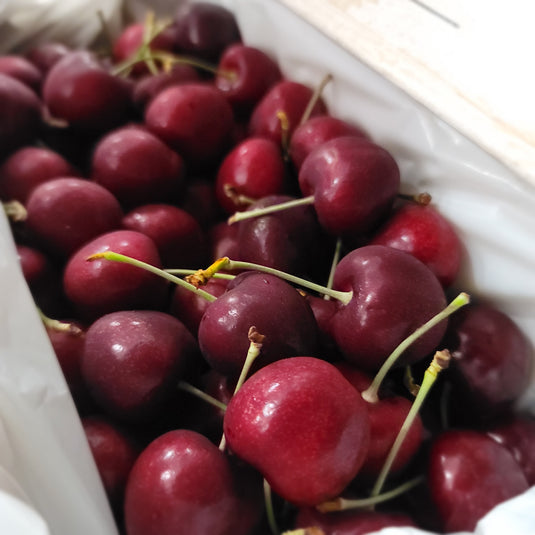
48 481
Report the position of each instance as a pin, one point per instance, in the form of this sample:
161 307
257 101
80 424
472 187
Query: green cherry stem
59 326
227 264
187 272
343 504
187 387
334 263
257 212
371 394
117 257
315 97
270 511
440 362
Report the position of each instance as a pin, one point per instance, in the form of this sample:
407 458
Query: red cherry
302 425
469 474
23 70
425 233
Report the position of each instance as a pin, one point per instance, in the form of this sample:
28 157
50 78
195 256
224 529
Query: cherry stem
255 345
117 257
285 132
270 511
408 381
187 387
188 272
440 362
344 504
371 394
422 198
231 265
334 263
312 530
274 208
57 325
315 97
15 211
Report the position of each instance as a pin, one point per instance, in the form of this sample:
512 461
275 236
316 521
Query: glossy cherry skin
491 363
394 294
20 115
114 452
246 74
302 425
177 234
425 233
288 96
355 522
22 69
354 183
252 169
28 167
79 90
469 474
204 30
316 131
182 484
266 302
517 434
137 167
133 359
101 286
65 213
194 119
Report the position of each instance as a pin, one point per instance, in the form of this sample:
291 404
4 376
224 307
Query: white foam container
48 481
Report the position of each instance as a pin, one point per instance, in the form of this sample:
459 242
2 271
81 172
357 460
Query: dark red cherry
20 115
183 484
287 96
177 235
394 294
64 213
357 522
316 131
114 452
194 119
491 363
137 167
80 91
199 199
425 233
23 70
204 30
251 170
469 474
29 167
245 74
354 183
101 286
266 302
45 55
133 360
224 240
302 425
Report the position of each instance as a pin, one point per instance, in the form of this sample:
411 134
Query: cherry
289 97
148 86
353 182
491 363
23 70
64 213
251 170
469 474
224 240
204 30
137 167
80 91
394 294
29 166
44 55
177 235
270 304
517 434
97 287
316 131
244 75
133 360
195 119
350 522
302 425
114 452
181 483
425 233
20 115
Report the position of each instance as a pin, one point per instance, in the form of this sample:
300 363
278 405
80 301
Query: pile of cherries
146 150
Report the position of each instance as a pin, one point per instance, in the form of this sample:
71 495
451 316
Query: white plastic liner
48 481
